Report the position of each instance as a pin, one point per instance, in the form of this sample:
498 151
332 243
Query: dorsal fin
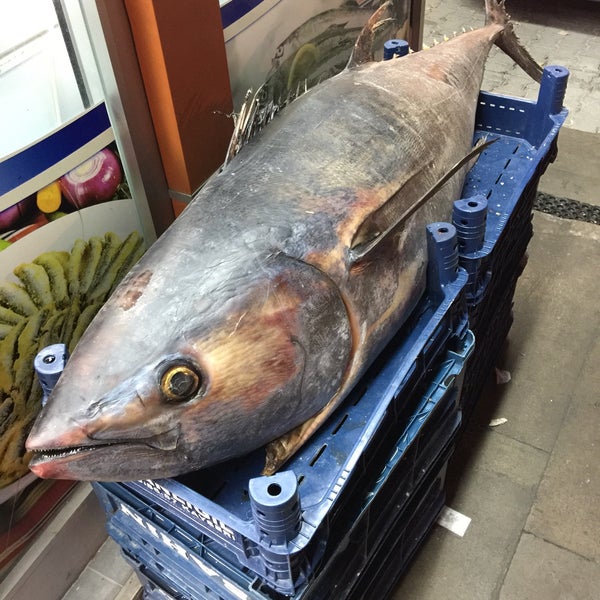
378 226
363 51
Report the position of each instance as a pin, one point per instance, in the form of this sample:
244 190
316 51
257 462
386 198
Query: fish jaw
111 438
113 461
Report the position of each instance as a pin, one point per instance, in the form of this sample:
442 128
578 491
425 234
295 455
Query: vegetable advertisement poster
69 231
283 46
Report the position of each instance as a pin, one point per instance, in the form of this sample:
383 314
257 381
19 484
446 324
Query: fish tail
508 41
495 12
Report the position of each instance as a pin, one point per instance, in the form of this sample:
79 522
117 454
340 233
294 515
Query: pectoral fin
280 450
384 222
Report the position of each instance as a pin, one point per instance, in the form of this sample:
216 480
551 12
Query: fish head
174 375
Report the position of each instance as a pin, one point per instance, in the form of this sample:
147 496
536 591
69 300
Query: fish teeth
69 451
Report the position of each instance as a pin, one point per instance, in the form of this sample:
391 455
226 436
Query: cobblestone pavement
554 31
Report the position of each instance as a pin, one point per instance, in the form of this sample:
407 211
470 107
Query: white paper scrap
454 521
502 376
496 422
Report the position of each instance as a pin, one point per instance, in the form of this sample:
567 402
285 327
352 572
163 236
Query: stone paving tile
541 570
91 585
131 590
585 113
575 171
109 562
566 508
491 479
547 342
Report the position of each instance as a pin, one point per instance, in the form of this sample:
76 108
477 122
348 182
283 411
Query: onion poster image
63 248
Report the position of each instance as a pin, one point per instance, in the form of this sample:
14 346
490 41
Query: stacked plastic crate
387 444
502 190
347 514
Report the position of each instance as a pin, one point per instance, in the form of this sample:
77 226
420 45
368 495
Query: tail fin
508 40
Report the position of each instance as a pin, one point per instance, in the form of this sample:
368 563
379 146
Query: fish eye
180 382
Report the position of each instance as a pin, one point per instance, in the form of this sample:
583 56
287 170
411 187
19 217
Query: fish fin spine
389 13
495 12
370 234
508 41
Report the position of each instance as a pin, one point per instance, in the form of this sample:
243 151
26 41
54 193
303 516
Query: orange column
181 52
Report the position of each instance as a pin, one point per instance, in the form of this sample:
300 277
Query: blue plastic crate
526 131
505 178
343 457
404 534
172 567
506 174
410 529
151 589
398 505
189 566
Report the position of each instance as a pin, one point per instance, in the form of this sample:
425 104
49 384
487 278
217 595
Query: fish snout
47 435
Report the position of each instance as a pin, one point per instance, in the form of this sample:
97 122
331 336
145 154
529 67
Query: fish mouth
70 462
42 455
100 460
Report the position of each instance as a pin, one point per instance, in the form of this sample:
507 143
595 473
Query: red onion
94 181
18 214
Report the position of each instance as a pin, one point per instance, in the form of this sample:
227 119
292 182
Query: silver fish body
249 316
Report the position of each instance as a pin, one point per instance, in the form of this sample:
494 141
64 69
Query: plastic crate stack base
207 515
409 491
404 535
491 317
371 482
402 540
401 506
507 176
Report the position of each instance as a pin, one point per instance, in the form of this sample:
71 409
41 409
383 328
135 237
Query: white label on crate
212 522
230 587
454 521
182 551
155 531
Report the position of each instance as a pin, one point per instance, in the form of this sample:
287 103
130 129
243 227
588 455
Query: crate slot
318 455
340 424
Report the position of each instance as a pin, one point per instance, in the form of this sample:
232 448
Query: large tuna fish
266 300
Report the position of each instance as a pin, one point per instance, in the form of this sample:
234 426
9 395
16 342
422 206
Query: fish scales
249 317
